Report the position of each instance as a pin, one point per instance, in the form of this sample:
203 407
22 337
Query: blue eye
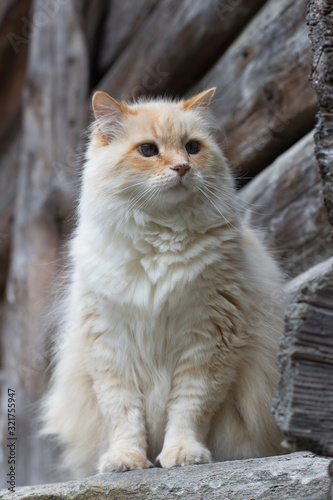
192 147
148 149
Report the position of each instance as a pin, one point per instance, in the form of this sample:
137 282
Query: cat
167 351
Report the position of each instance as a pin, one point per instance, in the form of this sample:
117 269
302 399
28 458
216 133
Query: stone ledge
295 476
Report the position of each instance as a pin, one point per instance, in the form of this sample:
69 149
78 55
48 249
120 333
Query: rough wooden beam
93 16
14 41
8 183
320 21
55 93
176 46
303 405
314 273
285 202
124 19
264 100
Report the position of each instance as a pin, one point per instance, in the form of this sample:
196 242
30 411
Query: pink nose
181 169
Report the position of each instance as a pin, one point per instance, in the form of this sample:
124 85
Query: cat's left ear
109 115
200 101
105 107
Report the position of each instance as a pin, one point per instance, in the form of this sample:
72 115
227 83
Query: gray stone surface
295 476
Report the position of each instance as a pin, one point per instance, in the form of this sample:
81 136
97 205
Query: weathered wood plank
124 19
320 21
93 16
55 94
264 99
8 184
285 202
314 273
303 404
176 46
13 58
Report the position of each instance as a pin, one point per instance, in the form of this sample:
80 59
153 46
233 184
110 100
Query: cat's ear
108 113
104 106
200 101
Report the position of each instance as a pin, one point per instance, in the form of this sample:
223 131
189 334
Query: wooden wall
53 54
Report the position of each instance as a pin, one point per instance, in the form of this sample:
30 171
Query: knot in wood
272 93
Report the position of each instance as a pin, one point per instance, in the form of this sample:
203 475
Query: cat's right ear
108 113
200 101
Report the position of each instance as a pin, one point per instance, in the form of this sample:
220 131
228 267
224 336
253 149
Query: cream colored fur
173 316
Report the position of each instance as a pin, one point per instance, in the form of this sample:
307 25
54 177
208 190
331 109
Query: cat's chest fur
152 293
152 270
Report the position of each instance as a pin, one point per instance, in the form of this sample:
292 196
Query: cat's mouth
176 192
178 189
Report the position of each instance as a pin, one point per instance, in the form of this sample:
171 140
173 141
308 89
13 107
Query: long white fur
174 312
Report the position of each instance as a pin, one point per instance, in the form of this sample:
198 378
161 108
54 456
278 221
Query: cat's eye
192 147
148 149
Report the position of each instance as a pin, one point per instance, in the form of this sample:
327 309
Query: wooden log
176 46
314 273
285 202
320 21
55 94
124 19
8 184
264 100
93 15
14 41
303 404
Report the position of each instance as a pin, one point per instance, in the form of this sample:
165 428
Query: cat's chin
177 193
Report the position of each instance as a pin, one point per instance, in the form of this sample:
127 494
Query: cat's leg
122 407
200 383
244 426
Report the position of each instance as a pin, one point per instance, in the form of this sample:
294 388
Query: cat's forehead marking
168 122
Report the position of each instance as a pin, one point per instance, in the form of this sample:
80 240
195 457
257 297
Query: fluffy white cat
167 351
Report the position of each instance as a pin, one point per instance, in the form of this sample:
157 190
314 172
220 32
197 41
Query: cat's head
155 154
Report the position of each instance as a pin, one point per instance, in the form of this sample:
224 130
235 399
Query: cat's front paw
120 460
184 453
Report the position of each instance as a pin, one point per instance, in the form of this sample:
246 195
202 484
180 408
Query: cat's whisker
127 210
218 198
126 188
234 203
216 208
147 200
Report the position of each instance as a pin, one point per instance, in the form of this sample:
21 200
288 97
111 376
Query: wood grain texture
285 201
303 405
320 21
54 97
178 44
264 99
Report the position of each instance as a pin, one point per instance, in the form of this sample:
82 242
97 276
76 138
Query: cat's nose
181 169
